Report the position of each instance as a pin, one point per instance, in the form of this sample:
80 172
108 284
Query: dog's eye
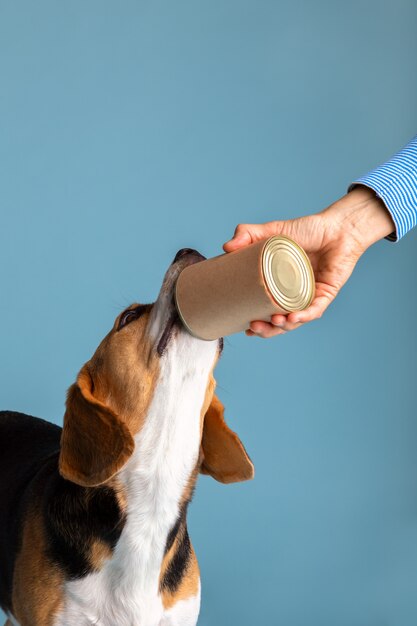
130 315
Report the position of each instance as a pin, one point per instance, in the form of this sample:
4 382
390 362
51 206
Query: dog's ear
224 456
95 443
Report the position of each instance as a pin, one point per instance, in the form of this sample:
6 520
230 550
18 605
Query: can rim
304 264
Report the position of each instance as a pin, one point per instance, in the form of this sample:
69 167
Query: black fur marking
182 516
75 517
26 444
179 561
178 564
172 535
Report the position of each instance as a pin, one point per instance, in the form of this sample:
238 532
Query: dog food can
222 295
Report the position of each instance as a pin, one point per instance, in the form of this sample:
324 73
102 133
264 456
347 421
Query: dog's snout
184 252
188 252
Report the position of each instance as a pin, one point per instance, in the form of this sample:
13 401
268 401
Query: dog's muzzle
193 256
183 258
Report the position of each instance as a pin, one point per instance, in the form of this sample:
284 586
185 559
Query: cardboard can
222 295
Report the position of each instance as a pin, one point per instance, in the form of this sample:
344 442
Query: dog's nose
184 252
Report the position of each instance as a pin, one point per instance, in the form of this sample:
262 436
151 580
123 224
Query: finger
265 329
282 321
278 319
288 326
245 234
313 312
239 240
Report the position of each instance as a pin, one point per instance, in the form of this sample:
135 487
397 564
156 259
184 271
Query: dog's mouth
183 258
173 321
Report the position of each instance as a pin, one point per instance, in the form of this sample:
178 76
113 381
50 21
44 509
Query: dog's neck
156 476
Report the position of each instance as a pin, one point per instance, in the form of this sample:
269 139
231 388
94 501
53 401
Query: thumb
245 234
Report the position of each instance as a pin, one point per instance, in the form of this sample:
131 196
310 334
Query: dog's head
108 405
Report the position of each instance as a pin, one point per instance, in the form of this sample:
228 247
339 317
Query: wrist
361 215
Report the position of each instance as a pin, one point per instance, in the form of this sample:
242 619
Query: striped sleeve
395 182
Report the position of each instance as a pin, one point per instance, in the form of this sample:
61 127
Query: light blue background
131 129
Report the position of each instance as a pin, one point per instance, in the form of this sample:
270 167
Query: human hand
333 239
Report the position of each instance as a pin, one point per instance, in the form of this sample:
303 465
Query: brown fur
190 582
223 454
95 443
107 405
121 494
99 554
37 583
225 458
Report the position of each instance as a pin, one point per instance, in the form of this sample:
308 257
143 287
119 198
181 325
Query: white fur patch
184 613
126 590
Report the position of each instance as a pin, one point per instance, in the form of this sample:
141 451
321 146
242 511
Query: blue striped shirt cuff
395 182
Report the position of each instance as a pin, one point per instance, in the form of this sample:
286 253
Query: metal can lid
287 273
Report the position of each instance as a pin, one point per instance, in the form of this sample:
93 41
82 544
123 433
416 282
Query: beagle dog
93 516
